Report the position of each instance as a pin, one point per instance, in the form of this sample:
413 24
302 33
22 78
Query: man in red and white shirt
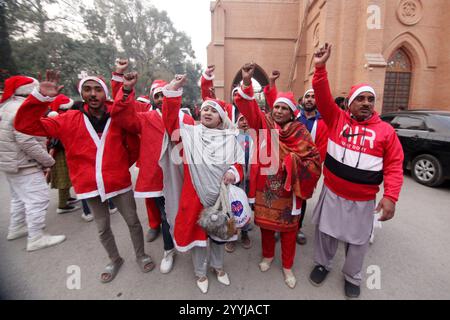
362 152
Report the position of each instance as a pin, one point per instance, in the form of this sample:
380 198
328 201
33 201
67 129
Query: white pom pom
214 217
52 114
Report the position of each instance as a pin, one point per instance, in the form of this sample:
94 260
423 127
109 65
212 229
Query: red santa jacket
319 133
150 127
98 166
360 155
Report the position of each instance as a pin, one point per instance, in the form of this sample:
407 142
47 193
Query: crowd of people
185 164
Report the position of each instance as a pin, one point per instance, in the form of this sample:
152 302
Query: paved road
411 252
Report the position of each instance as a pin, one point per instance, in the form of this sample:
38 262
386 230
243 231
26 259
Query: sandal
265 264
111 270
145 263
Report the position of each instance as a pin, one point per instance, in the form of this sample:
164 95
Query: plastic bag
239 206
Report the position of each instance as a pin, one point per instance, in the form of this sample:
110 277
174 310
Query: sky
192 17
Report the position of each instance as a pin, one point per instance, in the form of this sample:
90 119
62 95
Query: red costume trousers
154 216
288 246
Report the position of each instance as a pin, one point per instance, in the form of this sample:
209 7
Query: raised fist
210 70
247 73
130 80
121 65
274 76
322 55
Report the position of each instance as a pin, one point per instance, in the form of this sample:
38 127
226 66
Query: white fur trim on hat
216 106
26 89
361 90
286 101
307 91
157 90
96 79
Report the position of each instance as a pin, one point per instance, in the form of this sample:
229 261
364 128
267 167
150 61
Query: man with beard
98 155
362 153
312 120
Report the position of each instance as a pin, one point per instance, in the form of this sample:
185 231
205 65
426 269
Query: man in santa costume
151 190
98 155
362 152
23 159
149 185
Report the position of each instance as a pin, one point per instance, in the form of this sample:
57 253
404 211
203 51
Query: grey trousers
325 248
200 258
127 207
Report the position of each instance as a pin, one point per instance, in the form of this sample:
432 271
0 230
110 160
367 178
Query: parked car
425 137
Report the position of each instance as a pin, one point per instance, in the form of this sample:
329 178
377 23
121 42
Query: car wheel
426 169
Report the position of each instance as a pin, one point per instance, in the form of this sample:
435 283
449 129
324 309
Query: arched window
397 84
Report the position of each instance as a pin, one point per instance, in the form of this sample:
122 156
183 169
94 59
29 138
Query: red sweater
360 155
97 166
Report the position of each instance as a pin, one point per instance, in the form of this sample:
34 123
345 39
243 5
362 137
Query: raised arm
172 104
270 91
245 100
30 116
325 103
207 84
124 111
121 66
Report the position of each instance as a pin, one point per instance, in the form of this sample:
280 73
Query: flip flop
111 269
145 261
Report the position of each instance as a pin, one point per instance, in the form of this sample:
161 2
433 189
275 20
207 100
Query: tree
7 64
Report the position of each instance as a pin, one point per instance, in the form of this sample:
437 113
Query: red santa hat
157 87
357 90
288 98
99 80
308 91
218 105
61 102
18 85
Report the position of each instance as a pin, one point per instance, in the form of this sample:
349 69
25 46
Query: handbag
218 220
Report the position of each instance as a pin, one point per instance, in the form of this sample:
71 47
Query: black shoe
318 275
67 209
301 238
351 291
72 201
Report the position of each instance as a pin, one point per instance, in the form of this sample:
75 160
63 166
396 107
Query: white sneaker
112 211
167 261
44 241
203 285
18 232
87 217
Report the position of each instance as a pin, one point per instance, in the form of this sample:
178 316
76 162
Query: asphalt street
410 257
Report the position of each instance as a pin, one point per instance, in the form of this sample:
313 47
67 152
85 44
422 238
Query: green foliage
112 28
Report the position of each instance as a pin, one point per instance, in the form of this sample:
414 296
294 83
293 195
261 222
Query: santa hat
221 107
357 90
308 91
99 80
288 98
61 102
144 99
157 87
18 85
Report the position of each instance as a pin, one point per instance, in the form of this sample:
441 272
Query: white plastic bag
239 206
